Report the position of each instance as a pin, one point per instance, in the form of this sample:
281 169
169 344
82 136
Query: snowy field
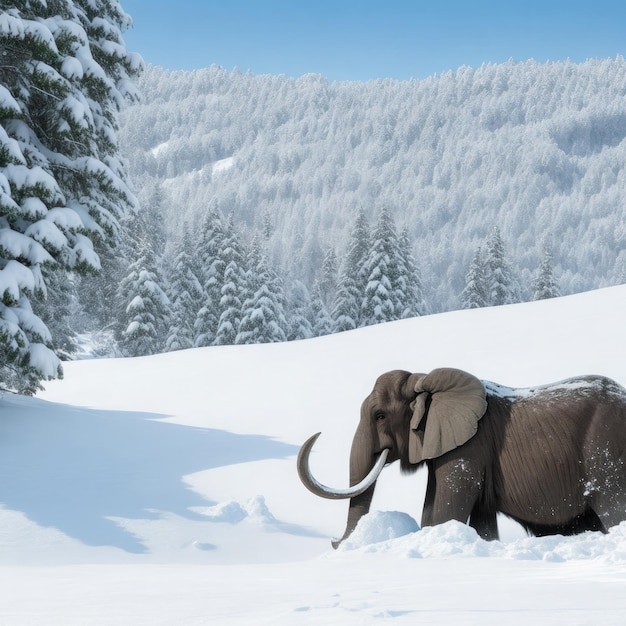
163 490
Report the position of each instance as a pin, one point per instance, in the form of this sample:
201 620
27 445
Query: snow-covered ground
163 490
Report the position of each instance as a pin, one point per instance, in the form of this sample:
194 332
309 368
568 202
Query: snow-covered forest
534 150
228 208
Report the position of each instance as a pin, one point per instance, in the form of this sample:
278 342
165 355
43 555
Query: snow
8 103
194 177
79 111
163 490
64 218
19 245
160 149
71 68
14 277
223 165
24 177
46 232
41 357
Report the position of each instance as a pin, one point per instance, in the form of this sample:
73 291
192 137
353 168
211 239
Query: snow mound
380 526
609 548
233 512
399 534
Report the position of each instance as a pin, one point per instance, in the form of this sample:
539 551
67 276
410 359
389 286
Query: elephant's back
555 443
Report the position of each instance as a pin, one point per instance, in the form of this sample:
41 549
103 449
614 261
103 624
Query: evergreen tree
233 288
381 302
501 288
619 269
211 274
62 184
145 316
263 319
545 285
184 292
327 279
474 296
268 227
298 311
154 217
352 283
144 308
320 318
55 309
409 287
97 293
178 334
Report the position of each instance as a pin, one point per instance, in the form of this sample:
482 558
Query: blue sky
364 39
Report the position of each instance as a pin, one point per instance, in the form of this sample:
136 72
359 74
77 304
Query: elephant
552 458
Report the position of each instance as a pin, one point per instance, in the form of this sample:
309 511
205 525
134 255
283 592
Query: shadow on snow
72 468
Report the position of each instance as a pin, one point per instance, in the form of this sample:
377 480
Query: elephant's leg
485 523
454 487
610 506
606 482
429 500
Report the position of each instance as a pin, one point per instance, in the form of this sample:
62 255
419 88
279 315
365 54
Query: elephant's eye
380 416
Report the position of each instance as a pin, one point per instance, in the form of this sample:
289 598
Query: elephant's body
533 458
552 458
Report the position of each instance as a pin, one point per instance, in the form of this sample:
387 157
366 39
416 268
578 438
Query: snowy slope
163 490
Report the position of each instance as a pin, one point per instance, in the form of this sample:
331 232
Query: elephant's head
410 417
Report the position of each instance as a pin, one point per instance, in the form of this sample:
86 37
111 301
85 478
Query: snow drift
163 489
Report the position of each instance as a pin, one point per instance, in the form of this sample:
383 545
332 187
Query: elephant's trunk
359 506
361 461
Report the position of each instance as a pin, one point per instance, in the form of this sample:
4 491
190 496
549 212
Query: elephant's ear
453 402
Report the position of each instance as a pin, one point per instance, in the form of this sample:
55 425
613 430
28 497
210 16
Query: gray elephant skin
552 458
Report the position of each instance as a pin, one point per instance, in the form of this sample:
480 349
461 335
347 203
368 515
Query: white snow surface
163 490
223 165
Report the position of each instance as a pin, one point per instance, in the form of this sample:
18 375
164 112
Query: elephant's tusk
335 494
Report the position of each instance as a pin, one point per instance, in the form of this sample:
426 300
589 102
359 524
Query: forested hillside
534 150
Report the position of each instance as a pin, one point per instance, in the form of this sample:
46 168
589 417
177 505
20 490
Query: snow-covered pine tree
352 282
184 293
263 316
145 317
320 318
147 311
56 310
154 217
501 285
619 269
233 288
64 75
268 227
211 267
409 289
327 278
545 285
96 293
298 310
380 303
474 296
